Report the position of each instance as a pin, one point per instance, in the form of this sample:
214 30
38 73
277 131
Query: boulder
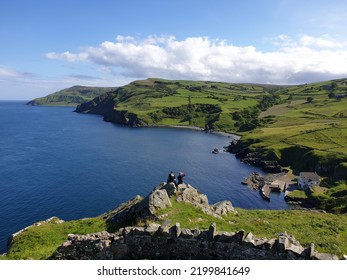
152 228
169 187
192 196
223 207
158 199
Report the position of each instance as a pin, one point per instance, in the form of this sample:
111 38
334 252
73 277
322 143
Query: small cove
58 163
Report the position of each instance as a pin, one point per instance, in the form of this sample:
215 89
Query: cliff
105 105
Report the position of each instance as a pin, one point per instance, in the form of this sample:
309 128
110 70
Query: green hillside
201 104
308 129
327 231
302 126
71 96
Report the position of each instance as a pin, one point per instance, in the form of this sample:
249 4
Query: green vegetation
39 242
333 199
304 127
307 131
327 231
71 96
207 105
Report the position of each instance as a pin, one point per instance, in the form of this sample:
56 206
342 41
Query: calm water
54 162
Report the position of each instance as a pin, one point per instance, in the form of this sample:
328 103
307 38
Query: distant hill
300 126
71 96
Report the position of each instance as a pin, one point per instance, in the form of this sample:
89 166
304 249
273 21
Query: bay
54 162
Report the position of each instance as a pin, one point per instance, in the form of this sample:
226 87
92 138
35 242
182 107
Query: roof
313 176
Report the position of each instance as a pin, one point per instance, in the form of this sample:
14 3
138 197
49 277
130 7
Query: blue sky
50 45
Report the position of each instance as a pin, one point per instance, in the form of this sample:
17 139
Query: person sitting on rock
180 177
171 178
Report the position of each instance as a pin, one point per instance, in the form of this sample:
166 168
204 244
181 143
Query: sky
48 45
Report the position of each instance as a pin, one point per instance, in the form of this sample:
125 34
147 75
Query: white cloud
201 58
6 72
320 42
68 56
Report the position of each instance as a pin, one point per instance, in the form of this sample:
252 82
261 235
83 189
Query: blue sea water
54 162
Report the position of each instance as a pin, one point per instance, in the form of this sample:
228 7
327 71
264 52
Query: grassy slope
300 134
149 97
71 96
317 129
39 242
327 231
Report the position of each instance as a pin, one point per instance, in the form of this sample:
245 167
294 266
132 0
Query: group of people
172 178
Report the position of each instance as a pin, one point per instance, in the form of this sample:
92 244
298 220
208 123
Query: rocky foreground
162 240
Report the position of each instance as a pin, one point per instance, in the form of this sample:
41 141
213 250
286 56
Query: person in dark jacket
171 178
180 177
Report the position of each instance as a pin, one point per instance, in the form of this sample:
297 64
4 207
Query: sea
55 162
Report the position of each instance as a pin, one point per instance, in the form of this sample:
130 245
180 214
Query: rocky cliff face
105 105
247 156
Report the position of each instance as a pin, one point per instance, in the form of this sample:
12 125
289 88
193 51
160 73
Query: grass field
316 128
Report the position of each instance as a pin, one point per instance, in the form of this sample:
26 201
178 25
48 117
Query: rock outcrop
173 242
159 198
243 153
166 241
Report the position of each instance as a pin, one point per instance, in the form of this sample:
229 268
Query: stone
158 199
212 232
152 229
138 231
311 251
170 188
225 237
269 243
238 237
192 196
248 238
298 250
196 232
177 230
182 187
119 251
164 229
223 207
71 236
282 242
186 233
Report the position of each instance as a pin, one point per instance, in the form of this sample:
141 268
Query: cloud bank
306 59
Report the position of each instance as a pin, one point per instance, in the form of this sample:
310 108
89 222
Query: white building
308 179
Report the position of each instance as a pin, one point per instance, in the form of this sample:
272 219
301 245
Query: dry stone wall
173 242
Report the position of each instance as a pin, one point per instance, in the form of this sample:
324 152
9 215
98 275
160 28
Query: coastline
226 134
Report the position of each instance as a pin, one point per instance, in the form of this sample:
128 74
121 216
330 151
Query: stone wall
173 242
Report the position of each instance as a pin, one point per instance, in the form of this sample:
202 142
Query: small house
308 179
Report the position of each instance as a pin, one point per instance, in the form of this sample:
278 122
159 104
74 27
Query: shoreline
226 134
